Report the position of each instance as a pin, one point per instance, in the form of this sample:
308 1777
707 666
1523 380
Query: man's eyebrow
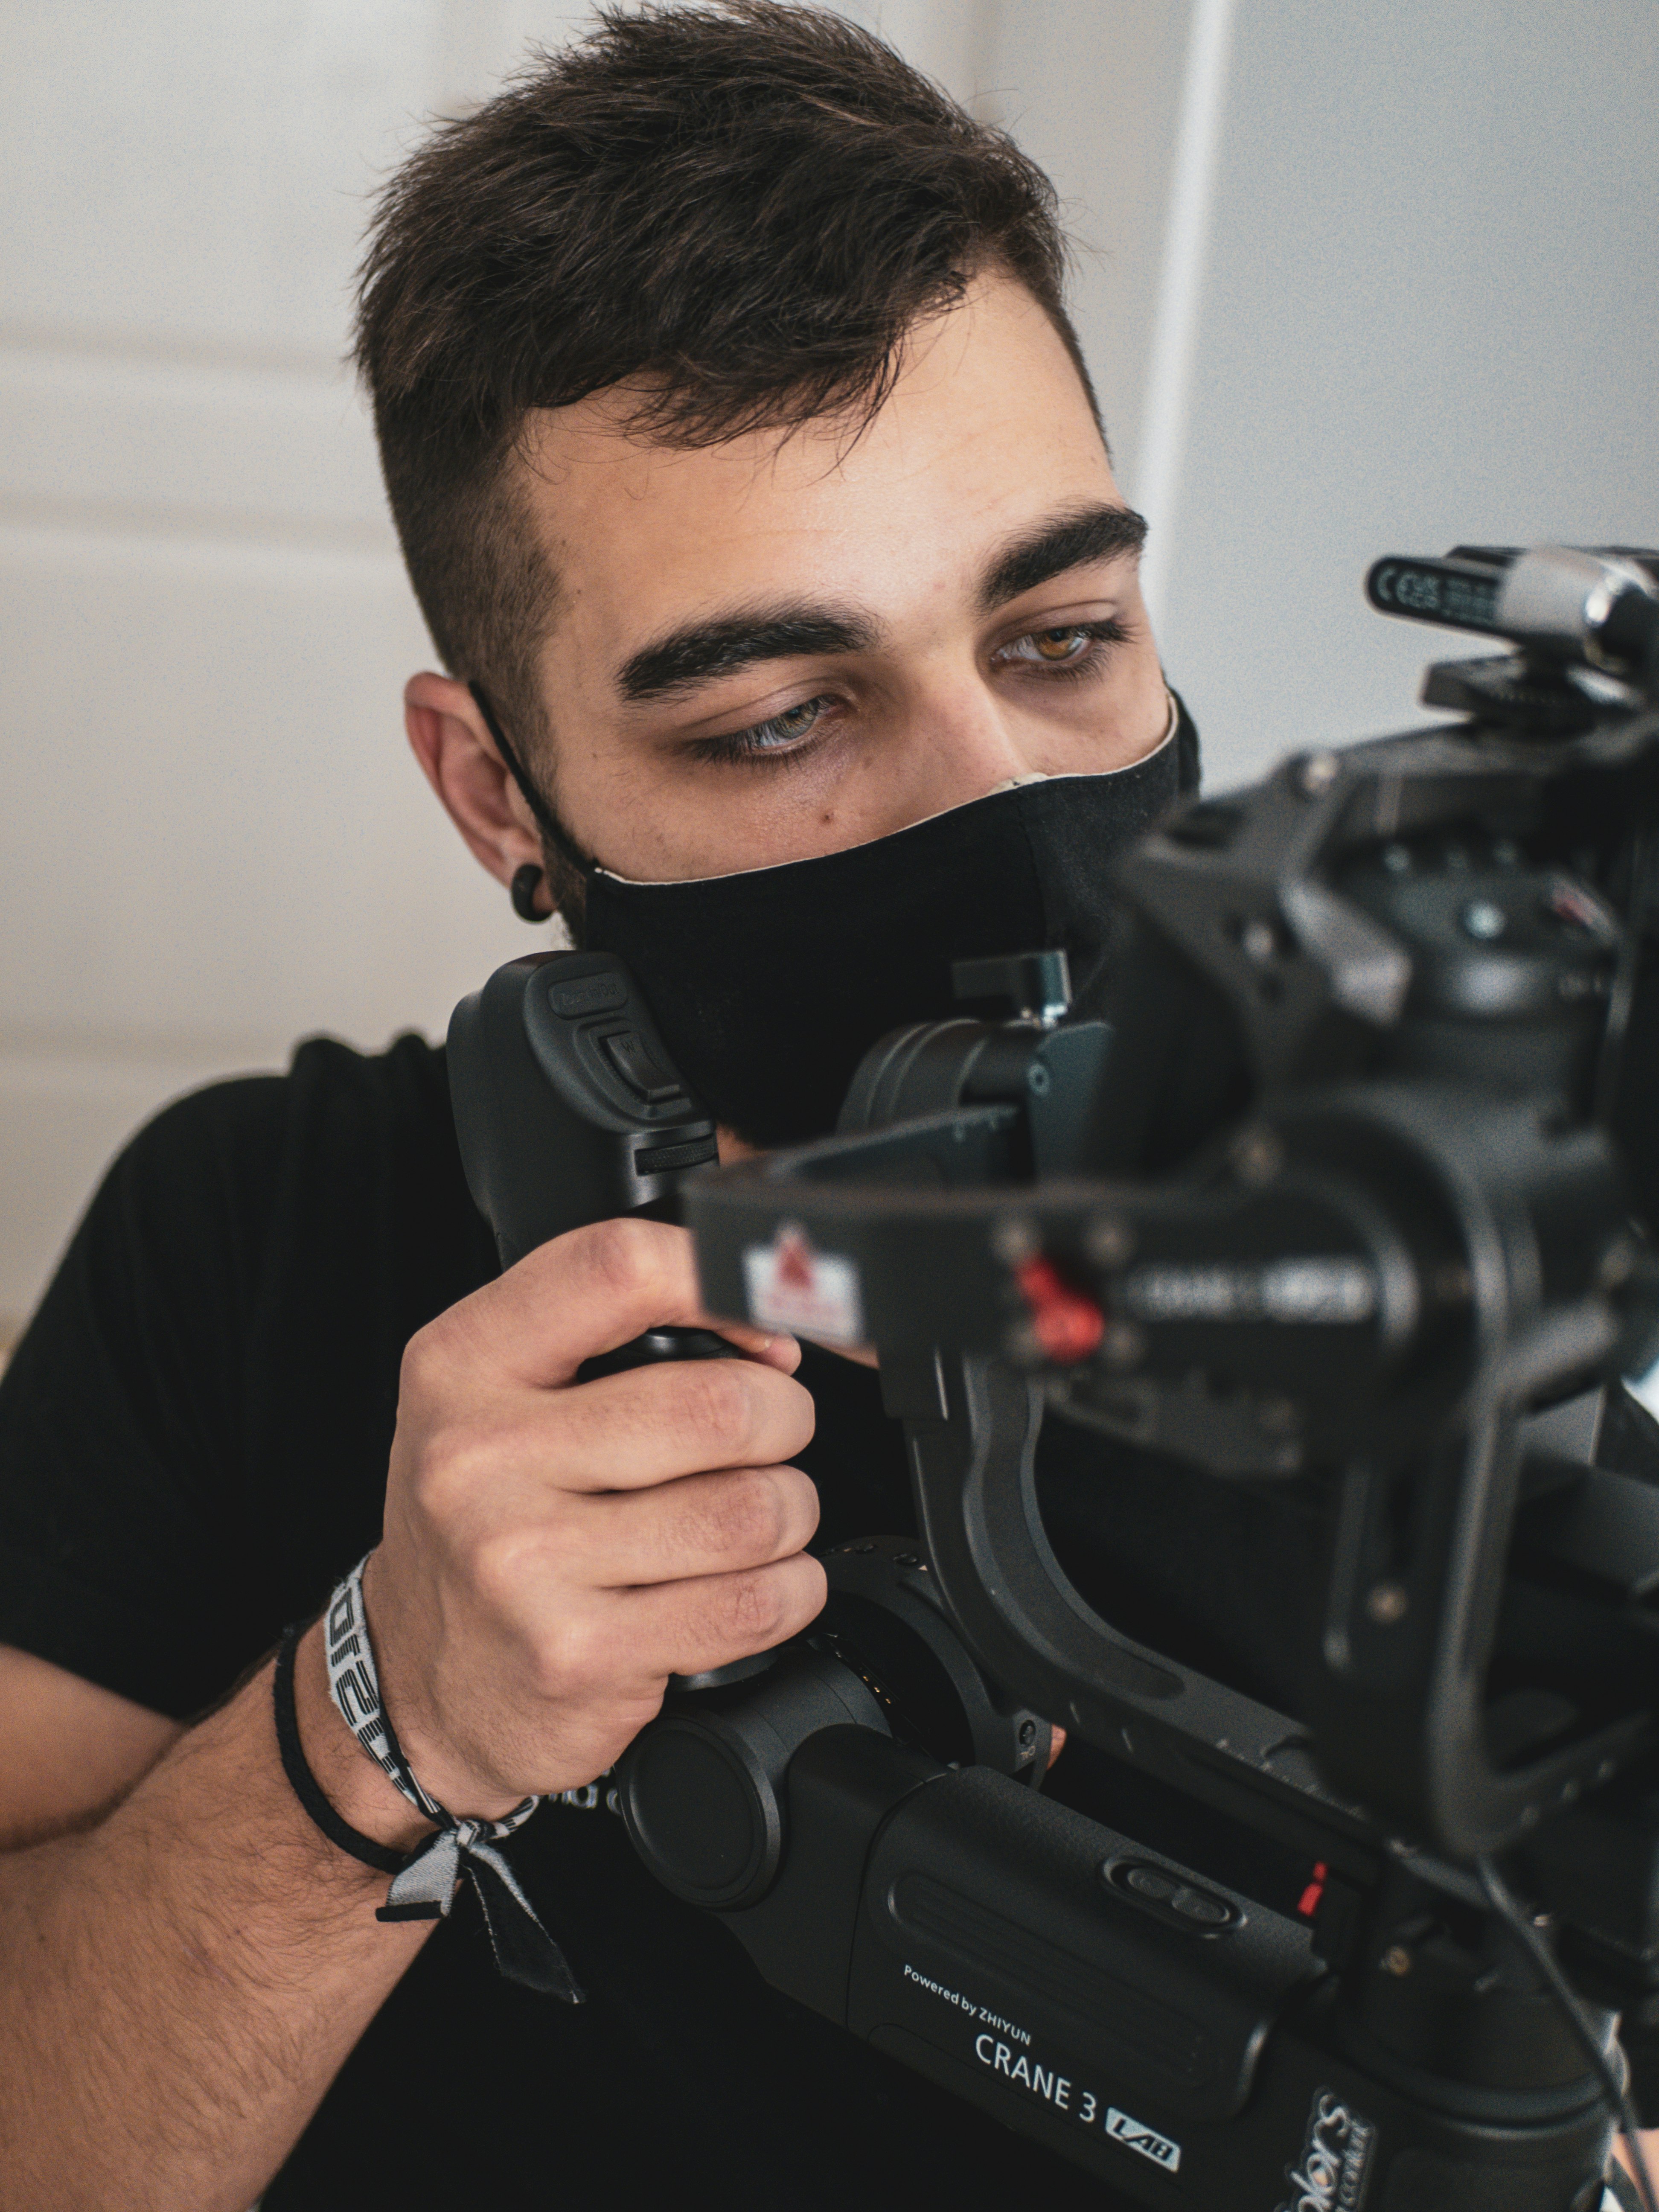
1070 541
703 651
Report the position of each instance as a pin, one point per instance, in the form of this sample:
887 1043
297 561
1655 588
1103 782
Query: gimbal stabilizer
1321 1187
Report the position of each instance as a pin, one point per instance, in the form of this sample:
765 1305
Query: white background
1354 280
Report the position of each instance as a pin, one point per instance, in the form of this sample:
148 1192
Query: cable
1613 2087
1621 996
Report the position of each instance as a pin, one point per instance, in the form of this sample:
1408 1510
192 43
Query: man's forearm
178 1986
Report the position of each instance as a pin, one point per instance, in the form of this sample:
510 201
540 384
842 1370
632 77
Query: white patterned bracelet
424 1889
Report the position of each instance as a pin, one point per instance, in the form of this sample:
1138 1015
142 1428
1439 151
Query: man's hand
554 1550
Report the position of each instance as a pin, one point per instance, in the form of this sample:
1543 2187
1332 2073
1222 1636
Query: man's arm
71 1749
181 1981
179 1985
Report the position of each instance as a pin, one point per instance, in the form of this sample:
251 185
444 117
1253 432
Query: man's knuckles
628 1265
457 1469
716 1408
579 1659
750 1517
510 1569
428 1363
697 1413
603 1283
705 1524
732 1615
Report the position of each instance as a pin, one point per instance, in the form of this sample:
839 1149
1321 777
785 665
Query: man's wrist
446 1782
361 1792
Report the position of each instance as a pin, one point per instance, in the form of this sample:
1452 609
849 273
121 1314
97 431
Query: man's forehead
987 427
995 361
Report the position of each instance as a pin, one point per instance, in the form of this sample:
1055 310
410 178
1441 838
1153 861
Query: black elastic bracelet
305 1785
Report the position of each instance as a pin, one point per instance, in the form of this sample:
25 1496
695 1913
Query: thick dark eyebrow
1070 541
703 651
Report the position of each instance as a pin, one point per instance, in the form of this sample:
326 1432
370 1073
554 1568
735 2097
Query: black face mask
769 986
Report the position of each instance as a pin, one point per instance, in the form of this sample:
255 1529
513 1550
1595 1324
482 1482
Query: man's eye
1065 649
777 734
1054 648
782 729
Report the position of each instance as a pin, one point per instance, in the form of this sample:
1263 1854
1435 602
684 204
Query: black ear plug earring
527 882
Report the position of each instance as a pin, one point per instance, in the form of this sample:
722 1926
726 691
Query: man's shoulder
334 1117
327 1086
346 1163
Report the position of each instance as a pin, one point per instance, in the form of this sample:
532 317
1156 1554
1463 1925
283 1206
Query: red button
1066 1324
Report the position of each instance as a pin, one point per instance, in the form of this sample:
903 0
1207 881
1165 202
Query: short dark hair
743 207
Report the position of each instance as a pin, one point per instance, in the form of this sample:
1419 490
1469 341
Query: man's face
778 647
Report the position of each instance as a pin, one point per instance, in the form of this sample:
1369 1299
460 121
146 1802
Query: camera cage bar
1408 1744
1520 1207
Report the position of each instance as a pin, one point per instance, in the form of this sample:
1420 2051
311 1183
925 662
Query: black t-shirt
193 1444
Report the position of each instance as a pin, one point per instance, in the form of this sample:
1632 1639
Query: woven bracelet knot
424 1887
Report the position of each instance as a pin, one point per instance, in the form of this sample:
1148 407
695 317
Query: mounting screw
1257 1154
1317 773
1109 1241
1123 1345
1387 1603
1013 1240
1258 941
1028 1736
1396 1960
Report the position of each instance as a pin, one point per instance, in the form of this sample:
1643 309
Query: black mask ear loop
546 820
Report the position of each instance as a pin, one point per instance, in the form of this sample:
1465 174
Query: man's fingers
653 1424
703 1524
583 1293
687 1627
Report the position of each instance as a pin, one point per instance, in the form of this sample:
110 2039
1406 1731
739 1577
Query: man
748 476
745 463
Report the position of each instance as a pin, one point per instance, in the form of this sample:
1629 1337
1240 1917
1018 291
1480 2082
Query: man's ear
451 741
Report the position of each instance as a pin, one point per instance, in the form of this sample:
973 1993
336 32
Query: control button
588 994
627 1054
1196 1905
1171 1897
1153 1882
675 1159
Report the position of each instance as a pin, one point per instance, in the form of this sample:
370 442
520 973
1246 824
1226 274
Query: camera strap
424 1887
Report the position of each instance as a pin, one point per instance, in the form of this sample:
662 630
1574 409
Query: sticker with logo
792 1285
1004 2050
1335 2158
1135 2134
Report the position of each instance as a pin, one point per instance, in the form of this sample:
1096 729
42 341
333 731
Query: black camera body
1338 1182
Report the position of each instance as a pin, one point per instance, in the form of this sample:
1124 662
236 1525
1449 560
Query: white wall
1429 311
1407 305
213 839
